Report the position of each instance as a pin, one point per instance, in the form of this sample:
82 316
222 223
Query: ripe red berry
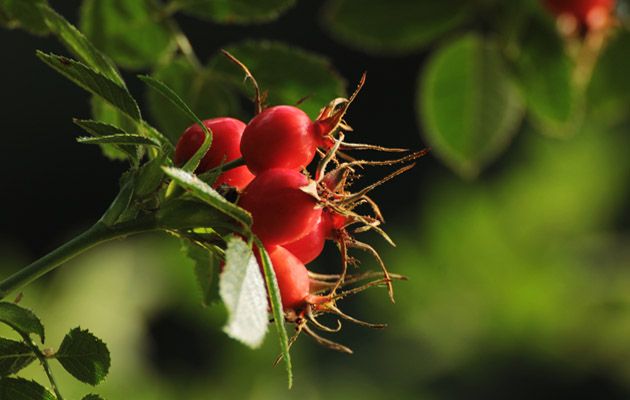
310 246
292 277
591 13
226 137
281 210
279 137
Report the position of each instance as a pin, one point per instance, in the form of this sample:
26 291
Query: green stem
97 234
44 361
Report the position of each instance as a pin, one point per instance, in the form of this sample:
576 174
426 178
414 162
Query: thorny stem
97 234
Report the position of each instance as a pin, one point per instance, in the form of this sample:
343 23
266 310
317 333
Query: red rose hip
281 210
279 137
226 137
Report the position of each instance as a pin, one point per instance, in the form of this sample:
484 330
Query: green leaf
21 319
121 139
24 14
84 356
189 213
205 193
14 356
206 270
207 94
468 106
150 176
276 308
22 389
123 201
128 31
92 396
242 290
288 74
545 76
393 26
78 45
94 82
236 12
100 129
169 94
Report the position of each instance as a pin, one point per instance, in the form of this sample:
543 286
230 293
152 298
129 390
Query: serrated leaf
545 76
120 139
208 195
287 73
242 290
393 26
169 94
236 12
92 396
22 389
94 82
14 356
468 107
276 308
206 270
99 129
103 112
24 14
115 26
206 93
21 319
84 356
78 45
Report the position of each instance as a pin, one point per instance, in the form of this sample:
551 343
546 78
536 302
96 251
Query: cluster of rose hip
579 15
295 211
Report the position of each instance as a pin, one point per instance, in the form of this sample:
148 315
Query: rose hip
226 137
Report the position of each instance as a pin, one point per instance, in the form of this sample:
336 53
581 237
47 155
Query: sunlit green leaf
84 356
204 192
393 26
93 82
128 31
236 12
24 14
242 290
276 308
22 389
288 74
21 319
467 105
206 93
121 139
14 356
99 129
78 45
